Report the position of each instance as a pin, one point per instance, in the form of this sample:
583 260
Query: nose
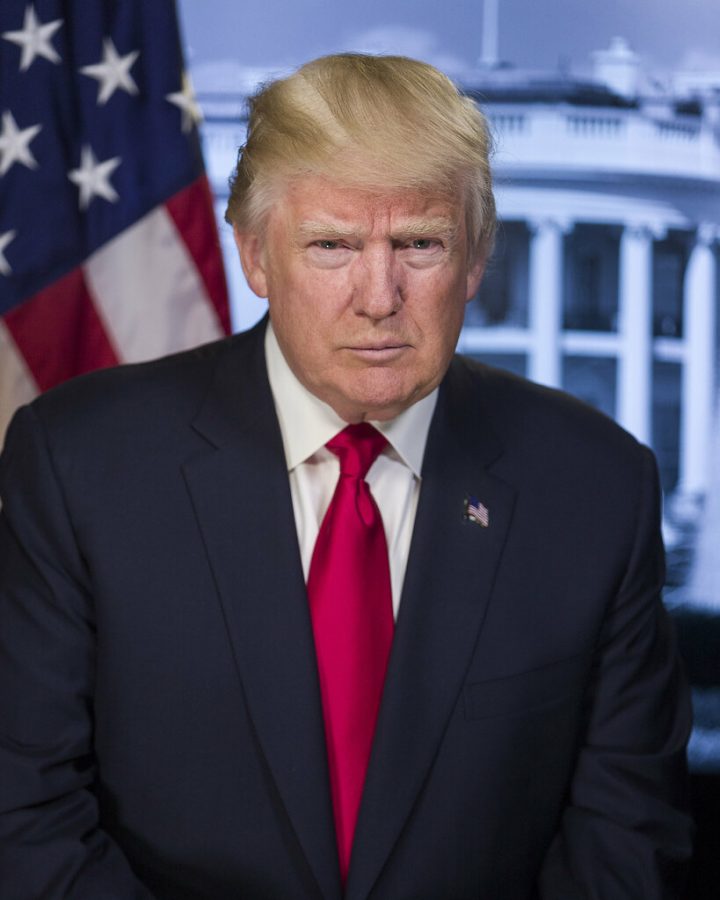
377 290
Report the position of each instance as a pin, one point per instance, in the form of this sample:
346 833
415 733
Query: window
666 421
590 301
592 379
669 261
502 297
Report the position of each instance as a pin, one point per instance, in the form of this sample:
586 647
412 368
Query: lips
382 352
379 347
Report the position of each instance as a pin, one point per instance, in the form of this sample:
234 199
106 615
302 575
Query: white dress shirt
307 424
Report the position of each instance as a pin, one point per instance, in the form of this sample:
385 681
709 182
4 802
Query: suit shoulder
145 392
559 453
531 415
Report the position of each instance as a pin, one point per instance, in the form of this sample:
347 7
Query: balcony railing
555 140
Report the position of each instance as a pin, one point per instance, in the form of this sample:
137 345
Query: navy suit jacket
161 733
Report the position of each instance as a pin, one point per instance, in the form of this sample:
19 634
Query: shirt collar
307 423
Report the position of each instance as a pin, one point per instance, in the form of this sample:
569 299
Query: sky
277 34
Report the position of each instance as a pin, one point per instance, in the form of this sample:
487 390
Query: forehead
310 201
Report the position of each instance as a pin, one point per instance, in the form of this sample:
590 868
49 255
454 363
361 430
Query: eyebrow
422 227
325 228
409 229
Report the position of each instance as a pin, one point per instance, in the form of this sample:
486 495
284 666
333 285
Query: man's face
366 290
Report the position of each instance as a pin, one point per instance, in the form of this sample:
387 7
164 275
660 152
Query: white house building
605 277
605 281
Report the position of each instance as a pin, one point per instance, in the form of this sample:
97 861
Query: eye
327 245
422 243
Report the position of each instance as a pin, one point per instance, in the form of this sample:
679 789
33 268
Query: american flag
476 512
108 244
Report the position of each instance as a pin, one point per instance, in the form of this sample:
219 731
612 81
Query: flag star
15 144
187 104
93 177
113 72
5 239
34 38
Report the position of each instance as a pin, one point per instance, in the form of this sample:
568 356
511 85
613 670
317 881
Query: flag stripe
15 377
59 333
148 291
191 210
119 211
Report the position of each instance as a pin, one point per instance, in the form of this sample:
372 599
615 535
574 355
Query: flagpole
490 34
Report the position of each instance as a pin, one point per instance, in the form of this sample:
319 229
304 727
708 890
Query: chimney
618 67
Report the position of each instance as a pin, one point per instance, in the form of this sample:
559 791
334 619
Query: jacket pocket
527 691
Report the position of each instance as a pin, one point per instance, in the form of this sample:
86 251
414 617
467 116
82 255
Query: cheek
305 315
320 303
442 309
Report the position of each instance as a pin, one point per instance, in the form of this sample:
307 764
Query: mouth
379 352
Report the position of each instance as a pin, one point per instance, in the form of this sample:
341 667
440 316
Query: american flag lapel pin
475 511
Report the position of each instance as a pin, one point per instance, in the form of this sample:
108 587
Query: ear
252 259
474 277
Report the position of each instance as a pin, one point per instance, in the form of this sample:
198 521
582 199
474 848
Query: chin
376 393
380 407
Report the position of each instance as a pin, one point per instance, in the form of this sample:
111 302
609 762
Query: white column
634 396
545 313
698 377
705 575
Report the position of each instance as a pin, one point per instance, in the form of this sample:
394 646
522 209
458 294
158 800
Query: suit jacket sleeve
51 845
625 832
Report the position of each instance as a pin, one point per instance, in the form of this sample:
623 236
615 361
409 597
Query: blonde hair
379 122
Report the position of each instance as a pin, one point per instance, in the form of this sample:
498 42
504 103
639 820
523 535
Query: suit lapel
449 578
241 495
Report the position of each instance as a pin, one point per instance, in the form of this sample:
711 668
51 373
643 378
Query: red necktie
351 608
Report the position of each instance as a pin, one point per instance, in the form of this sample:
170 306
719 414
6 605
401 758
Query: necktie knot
357 447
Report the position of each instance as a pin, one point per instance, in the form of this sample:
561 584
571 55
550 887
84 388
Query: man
449 677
